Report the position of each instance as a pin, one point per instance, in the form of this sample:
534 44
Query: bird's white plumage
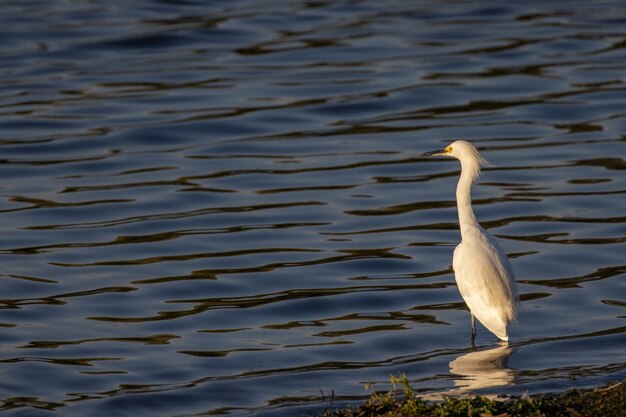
482 270
485 281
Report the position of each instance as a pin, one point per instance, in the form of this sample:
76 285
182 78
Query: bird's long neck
467 219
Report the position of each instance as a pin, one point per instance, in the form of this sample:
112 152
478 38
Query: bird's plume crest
472 160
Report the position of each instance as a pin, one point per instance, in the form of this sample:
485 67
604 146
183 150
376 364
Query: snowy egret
482 271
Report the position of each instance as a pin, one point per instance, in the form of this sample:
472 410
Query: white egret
482 270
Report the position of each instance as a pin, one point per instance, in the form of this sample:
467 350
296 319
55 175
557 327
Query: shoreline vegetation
605 401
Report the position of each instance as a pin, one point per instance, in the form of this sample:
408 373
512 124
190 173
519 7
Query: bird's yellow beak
439 152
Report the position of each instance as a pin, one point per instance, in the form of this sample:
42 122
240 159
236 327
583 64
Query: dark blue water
219 208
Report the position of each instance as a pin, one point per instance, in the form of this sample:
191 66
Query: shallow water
221 209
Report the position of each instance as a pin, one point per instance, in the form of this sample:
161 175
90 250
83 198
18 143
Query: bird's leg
473 331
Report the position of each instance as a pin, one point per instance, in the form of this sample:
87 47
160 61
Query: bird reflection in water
477 370
481 369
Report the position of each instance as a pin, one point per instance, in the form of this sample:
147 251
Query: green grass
401 401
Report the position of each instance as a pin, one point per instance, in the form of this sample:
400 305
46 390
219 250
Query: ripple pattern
218 208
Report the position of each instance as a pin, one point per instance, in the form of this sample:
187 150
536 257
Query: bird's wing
485 276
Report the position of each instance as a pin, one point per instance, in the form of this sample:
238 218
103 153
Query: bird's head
464 152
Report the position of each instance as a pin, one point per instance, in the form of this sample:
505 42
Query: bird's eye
448 149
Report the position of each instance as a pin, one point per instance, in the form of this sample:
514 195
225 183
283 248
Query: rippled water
219 208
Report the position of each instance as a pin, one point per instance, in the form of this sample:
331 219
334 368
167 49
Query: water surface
220 208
